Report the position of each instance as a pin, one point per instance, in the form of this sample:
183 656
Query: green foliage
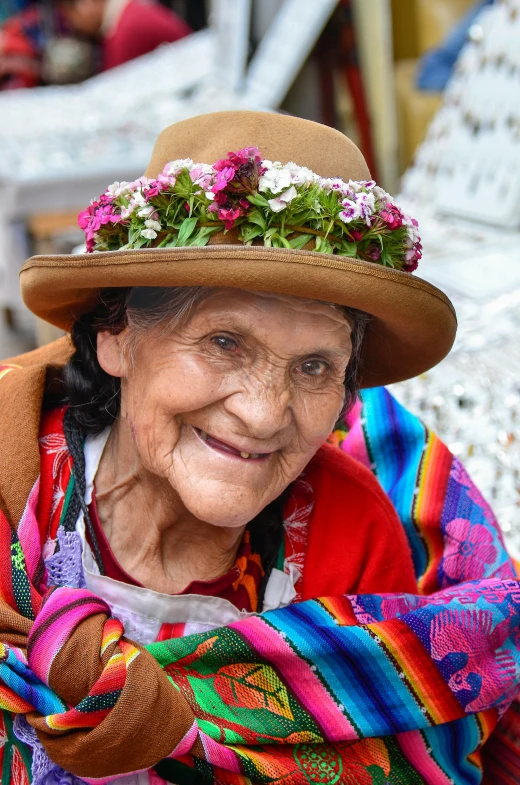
184 216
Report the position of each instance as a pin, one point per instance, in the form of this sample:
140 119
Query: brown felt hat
413 325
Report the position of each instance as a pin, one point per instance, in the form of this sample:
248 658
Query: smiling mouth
222 447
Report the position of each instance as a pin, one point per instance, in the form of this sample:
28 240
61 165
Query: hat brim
412 329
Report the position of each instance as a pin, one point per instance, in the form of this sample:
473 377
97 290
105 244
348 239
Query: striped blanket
354 689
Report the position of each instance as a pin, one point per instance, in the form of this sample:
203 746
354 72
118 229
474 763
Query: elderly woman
184 500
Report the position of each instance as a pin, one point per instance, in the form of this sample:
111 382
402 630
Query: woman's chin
222 508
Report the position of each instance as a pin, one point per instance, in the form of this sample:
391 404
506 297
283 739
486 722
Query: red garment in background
141 28
21 39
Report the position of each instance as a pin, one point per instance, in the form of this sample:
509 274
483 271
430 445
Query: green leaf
298 242
258 200
201 237
283 242
183 184
186 230
165 242
349 249
249 233
323 245
256 217
134 233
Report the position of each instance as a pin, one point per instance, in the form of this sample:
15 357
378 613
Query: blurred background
429 89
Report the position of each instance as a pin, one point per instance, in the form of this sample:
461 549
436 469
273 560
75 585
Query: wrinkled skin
261 373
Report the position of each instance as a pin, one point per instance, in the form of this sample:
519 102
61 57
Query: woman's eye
225 343
313 368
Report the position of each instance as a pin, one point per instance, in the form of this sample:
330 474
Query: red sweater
356 542
141 28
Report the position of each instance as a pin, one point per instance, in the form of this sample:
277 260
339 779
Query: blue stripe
451 744
396 442
348 660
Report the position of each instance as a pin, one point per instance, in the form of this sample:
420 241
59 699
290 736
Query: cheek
154 402
317 414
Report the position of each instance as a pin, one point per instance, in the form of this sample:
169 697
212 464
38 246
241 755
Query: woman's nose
264 408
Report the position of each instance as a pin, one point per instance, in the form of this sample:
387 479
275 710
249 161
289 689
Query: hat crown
208 138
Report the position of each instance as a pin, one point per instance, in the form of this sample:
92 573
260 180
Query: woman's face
231 407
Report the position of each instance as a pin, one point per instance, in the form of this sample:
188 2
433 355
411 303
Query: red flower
392 216
229 216
244 156
374 251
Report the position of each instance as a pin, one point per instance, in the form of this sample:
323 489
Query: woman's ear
110 353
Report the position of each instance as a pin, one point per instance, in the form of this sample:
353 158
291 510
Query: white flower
276 179
138 199
149 234
210 195
366 203
354 186
279 203
151 224
351 211
381 194
117 188
126 212
300 174
145 212
174 167
334 184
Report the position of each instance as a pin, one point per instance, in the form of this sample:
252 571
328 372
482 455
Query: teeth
245 454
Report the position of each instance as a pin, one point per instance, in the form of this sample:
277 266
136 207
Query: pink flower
468 550
412 257
203 175
223 163
166 181
392 216
96 215
152 189
244 156
356 235
229 216
224 176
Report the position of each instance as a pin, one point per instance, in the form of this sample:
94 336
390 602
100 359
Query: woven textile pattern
352 689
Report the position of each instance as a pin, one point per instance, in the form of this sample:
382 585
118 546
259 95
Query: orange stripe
421 672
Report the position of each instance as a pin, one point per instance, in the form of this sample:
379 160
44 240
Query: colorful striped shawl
357 689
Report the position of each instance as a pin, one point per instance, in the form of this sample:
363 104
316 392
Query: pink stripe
185 744
219 755
28 531
355 445
413 745
58 632
301 679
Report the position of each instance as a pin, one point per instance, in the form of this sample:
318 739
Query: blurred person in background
67 41
126 29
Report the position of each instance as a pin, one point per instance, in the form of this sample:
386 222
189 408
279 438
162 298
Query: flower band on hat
277 205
